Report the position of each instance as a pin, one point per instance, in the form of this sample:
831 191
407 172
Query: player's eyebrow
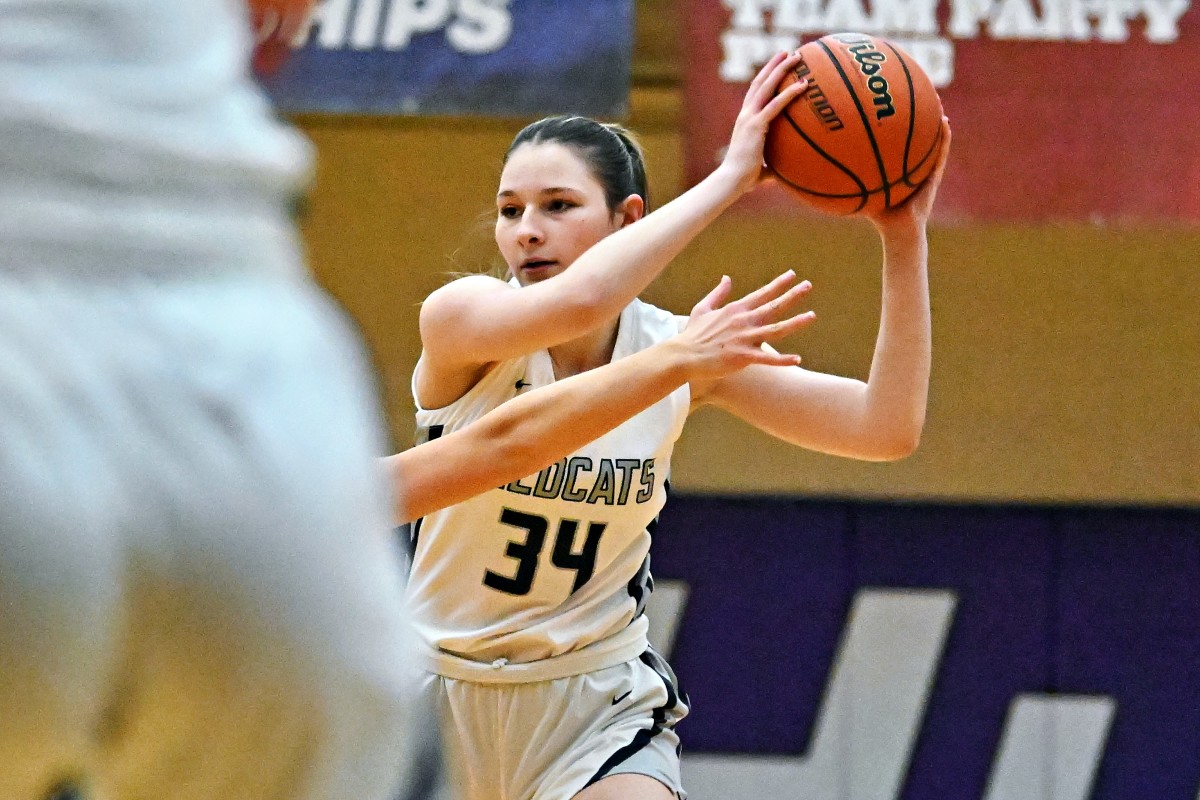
549 190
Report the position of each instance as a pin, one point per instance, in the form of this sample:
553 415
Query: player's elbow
898 444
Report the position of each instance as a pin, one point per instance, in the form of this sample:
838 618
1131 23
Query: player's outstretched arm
879 419
491 321
536 429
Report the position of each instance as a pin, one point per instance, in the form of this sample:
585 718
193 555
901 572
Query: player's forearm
898 386
615 270
533 431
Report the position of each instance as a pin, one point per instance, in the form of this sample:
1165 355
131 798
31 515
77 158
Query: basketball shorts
199 595
551 739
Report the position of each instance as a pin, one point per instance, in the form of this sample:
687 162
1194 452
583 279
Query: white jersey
135 139
547 576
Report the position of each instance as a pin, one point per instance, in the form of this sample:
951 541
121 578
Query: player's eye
510 212
559 205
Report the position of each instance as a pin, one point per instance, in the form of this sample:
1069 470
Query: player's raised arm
532 431
549 182
879 419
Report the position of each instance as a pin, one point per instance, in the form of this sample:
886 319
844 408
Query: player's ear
631 209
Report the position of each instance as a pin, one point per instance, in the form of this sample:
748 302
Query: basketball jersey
547 576
135 139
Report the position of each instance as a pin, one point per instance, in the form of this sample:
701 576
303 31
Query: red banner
1061 109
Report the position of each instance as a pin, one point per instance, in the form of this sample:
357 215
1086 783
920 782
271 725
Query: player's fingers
766 293
761 93
773 359
770 86
944 153
715 298
759 79
774 306
785 97
785 327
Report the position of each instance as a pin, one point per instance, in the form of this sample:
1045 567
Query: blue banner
840 651
460 57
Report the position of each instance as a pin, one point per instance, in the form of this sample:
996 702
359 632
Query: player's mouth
537 265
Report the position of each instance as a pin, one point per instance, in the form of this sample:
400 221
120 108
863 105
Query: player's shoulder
462 292
470 284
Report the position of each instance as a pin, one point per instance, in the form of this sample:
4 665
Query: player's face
549 210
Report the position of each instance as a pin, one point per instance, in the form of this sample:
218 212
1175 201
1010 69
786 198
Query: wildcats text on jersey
613 480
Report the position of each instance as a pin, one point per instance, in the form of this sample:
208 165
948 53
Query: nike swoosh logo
622 697
521 384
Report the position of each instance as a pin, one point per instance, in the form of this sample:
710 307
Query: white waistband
630 643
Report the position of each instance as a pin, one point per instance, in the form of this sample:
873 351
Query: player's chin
529 275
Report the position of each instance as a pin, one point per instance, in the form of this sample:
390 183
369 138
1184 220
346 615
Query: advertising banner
838 651
460 57
1062 110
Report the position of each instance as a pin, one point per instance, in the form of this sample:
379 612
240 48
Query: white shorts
550 740
199 595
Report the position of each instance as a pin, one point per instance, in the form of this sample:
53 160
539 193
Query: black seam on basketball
867 193
912 110
862 193
862 115
906 178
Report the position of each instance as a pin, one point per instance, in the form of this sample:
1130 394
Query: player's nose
529 229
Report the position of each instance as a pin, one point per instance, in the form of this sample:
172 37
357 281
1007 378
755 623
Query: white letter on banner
333 18
483 26
407 17
1065 19
846 15
1015 19
1112 16
365 35
749 13
745 51
868 722
966 16
798 16
905 16
1162 17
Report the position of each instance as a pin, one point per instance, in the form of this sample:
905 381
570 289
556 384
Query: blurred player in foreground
199 595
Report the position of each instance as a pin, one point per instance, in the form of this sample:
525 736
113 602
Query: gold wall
1066 358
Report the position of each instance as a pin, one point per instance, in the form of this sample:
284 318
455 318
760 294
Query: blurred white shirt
83 131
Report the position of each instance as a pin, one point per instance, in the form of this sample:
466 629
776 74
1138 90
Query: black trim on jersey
641 585
414 529
652 659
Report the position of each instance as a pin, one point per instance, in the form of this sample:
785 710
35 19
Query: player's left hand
917 208
725 337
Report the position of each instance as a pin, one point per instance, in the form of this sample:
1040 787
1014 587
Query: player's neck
589 351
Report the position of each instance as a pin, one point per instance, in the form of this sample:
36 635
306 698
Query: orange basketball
866 133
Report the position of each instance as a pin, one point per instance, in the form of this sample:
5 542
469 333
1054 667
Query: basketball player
528 599
198 591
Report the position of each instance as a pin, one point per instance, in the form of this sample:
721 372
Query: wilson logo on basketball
817 100
870 61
